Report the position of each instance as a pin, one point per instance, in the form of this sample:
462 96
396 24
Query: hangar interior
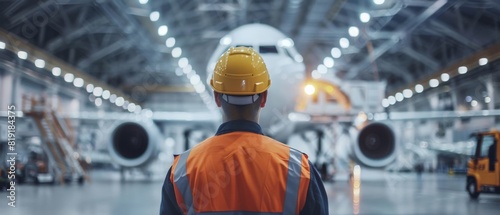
394 93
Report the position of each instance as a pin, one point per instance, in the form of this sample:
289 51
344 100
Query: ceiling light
473 103
445 77
462 70
483 61
364 17
392 100
162 30
385 103
309 89
183 62
56 71
69 77
112 98
154 16
407 93
336 53
200 88
487 99
2 45
119 101
433 82
468 98
22 55
315 74
328 62
344 43
419 88
353 31
90 88
106 94
78 82
170 42
399 97
187 69
378 2
143 1
98 102
39 63
176 52
97 91
131 107
322 69
195 79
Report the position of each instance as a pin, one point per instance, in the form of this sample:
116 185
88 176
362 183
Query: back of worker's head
240 81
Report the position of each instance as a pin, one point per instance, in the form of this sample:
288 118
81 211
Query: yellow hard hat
240 71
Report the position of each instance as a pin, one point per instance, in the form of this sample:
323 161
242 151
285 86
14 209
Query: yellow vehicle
483 171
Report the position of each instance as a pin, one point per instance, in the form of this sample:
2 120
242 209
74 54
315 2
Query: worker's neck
251 118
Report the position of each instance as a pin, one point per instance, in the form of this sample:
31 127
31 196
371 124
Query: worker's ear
264 99
217 99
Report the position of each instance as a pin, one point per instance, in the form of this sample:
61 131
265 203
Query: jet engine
375 145
133 143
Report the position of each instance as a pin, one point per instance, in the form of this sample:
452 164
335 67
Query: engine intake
375 145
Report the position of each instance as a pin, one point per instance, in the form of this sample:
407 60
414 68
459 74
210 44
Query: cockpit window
268 49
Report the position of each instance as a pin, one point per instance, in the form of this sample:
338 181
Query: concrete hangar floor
379 193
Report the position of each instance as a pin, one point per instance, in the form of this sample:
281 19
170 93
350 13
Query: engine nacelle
375 145
133 143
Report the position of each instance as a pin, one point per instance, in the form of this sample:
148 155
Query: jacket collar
239 125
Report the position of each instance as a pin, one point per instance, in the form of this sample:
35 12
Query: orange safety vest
241 173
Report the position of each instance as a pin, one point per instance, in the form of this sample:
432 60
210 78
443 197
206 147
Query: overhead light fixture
315 74
392 100
195 79
385 103
170 42
162 30
353 31
69 77
39 63
419 88
22 55
433 82
322 69
183 62
119 101
344 43
336 53
487 99
112 98
445 77
176 52
2 45
97 91
399 97
98 102
78 82
131 107
364 17
143 1
106 94
473 103
407 93
187 69
378 2
154 16
328 62
483 61
462 70
309 89
56 71
90 88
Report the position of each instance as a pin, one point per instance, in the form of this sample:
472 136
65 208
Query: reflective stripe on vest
181 181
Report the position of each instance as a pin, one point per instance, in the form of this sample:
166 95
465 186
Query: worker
239 170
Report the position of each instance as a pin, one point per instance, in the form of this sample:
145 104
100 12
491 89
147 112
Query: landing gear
472 188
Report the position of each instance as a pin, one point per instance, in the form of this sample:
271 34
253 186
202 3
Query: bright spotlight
433 82
2 45
378 2
106 94
154 16
131 107
487 99
344 43
97 91
143 1
78 82
90 88
353 31
39 63
392 100
56 71
473 103
69 77
364 17
226 40
328 62
112 98
385 103
336 53
309 89
483 61
407 93
22 55
170 42
419 88
162 30
399 97
445 77
462 70
176 52
195 79
119 101
183 62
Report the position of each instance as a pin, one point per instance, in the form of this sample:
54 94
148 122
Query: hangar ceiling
118 42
